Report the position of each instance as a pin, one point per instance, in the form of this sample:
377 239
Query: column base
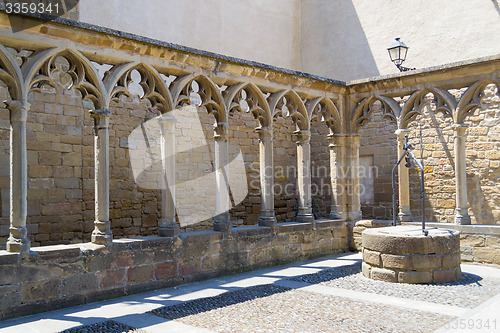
267 218
305 216
102 234
167 228
351 245
404 217
18 240
462 219
334 215
353 216
222 223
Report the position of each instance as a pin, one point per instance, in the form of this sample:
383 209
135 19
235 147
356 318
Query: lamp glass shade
397 52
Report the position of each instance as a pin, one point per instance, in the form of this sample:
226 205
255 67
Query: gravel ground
469 292
215 302
273 308
298 311
105 326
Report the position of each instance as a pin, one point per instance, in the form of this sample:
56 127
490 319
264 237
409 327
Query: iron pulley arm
408 156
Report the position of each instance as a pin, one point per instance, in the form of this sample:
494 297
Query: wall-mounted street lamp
397 52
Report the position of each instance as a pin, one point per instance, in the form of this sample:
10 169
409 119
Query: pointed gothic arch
444 102
361 114
255 99
118 79
471 99
295 105
211 97
10 74
39 70
326 108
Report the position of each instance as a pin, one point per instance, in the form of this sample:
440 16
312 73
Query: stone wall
483 164
377 142
321 189
480 244
61 169
61 184
64 275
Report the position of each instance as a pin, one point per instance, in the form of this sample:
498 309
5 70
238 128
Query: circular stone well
404 254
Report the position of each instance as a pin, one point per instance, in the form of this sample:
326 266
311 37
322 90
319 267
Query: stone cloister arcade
100 64
223 84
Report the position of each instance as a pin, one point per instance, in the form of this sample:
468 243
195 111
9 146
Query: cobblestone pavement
321 295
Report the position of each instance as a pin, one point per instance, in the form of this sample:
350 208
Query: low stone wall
478 243
58 276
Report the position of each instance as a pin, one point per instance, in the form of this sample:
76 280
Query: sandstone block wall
64 275
377 142
480 245
61 169
321 189
483 164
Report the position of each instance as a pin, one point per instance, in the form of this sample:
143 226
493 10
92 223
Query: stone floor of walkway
321 295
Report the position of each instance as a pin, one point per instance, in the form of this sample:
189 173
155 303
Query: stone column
18 239
337 147
354 202
403 180
267 217
168 226
102 231
222 221
302 139
462 214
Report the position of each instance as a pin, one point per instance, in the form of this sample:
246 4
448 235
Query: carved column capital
401 132
265 133
353 139
167 123
221 131
460 129
336 140
101 119
18 110
301 136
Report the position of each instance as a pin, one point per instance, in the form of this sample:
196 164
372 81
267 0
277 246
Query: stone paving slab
378 299
103 326
154 324
484 318
314 306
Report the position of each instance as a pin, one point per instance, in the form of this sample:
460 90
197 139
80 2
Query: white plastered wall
340 39
348 40
259 30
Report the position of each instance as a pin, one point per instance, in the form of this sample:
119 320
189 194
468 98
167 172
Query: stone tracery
440 100
481 91
265 103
